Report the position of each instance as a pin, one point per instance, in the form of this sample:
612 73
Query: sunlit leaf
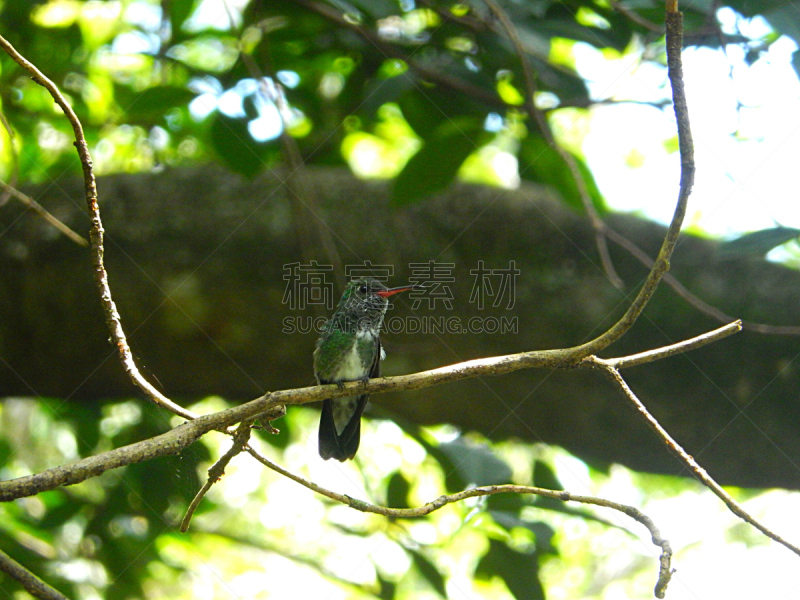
541 163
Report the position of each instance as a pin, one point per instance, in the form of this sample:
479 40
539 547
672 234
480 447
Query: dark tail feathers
341 447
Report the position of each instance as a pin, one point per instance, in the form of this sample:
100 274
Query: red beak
393 291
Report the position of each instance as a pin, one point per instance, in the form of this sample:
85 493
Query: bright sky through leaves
746 126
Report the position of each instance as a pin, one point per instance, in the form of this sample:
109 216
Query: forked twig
698 471
674 22
96 238
240 438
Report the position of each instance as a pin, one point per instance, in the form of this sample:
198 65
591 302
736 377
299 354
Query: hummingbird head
368 298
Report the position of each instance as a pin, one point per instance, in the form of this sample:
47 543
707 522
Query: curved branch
96 238
698 303
664 573
686 146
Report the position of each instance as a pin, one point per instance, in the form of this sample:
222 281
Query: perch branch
664 574
698 471
271 405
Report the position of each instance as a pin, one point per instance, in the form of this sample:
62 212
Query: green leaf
397 491
236 147
428 110
758 243
429 571
545 477
539 162
519 570
388 589
179 11
475 464
543 532
150 105
436 164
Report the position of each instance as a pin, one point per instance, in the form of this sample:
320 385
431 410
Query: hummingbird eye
362 289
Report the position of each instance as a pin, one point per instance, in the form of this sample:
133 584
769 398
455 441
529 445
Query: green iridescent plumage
349 349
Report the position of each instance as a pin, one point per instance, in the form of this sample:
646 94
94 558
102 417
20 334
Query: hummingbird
349 349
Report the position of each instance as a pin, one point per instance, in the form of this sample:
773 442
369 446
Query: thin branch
166 444
541 120
665 571
40 210
32 584
687 459
686 146
96 238
217 470
698 303
679 348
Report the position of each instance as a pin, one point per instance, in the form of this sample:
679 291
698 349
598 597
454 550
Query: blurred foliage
257 534
418 90
422 91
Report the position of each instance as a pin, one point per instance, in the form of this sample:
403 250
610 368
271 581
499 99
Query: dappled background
230 136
